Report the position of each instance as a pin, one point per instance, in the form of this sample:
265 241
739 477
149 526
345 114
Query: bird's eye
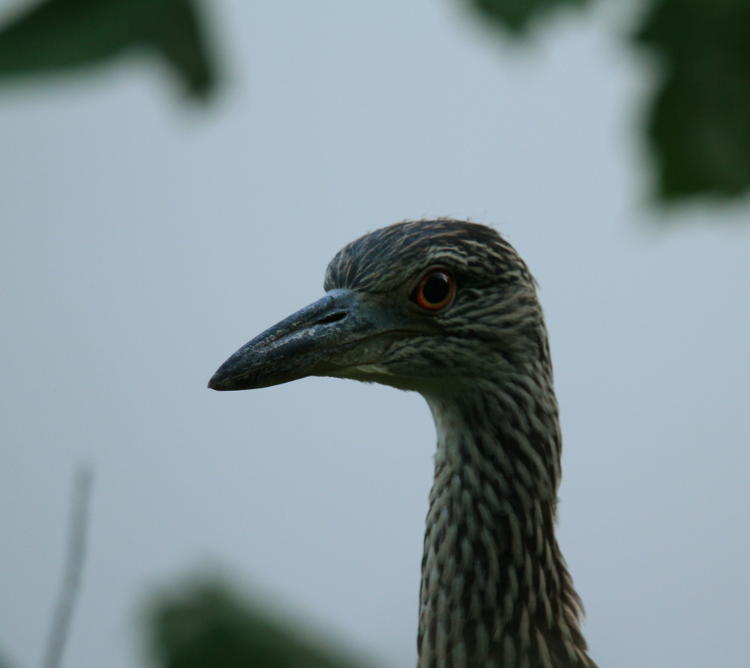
435 290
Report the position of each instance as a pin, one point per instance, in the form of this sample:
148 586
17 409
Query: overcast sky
142 242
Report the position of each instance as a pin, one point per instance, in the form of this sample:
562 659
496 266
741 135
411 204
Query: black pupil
436 287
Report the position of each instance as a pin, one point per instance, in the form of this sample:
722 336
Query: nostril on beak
332 317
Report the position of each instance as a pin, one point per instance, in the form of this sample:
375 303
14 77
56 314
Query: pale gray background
142 242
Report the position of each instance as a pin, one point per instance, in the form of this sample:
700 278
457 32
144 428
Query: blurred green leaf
517 15
699 121
58 35
205 624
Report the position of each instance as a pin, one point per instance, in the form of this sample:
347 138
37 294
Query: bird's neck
495 590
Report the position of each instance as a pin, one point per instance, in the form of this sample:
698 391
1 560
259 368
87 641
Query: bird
449 309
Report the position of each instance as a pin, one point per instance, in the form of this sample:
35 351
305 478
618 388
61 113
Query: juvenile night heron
448 309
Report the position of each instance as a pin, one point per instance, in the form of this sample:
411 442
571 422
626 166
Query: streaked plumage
494 590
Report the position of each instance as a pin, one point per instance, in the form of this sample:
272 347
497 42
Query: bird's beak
340 331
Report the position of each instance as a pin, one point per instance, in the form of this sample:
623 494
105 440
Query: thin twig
75 556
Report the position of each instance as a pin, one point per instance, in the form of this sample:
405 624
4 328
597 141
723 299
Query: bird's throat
494 589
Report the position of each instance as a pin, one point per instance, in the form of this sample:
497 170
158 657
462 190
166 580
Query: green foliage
59 35
699 121
517 15
698 125
205 624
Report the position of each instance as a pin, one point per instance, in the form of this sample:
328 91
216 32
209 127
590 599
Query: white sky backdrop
142 242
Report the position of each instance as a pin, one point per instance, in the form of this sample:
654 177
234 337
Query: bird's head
432 306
